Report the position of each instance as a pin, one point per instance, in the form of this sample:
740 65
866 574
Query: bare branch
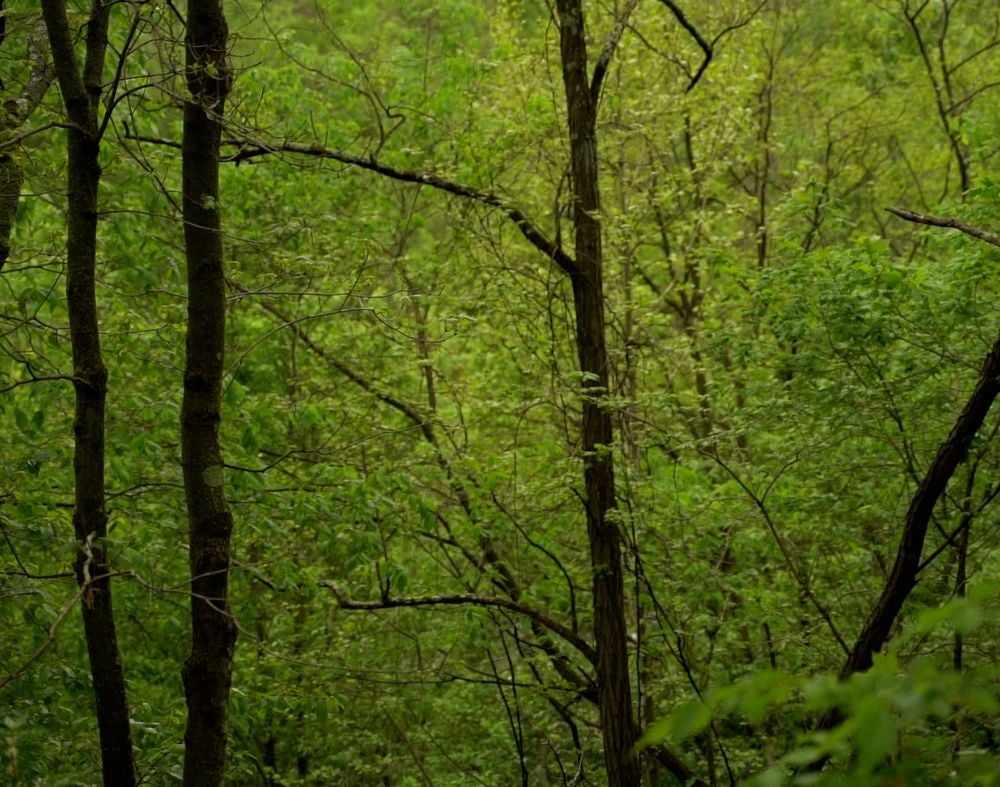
532 233
962 104
528 228
903 577
169 143
948 222
18 138
112 102
467 599
742 22
693 31
24 572
800 575
41 379
49 639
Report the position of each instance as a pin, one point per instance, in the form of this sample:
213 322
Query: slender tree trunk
614 687
903 577
961 586
620 730
81 95
14 113
208 671
11 179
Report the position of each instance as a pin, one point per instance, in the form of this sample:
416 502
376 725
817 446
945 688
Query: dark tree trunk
903 577
11 179
13 115
81 94
961 587
208 671
614 697
618 726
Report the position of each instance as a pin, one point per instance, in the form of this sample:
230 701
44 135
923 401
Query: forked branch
705 47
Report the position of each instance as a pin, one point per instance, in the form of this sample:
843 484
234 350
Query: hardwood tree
17 111
208 670
600 398
81 89
613 682
954 450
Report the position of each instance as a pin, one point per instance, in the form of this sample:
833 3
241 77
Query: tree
81 92
952 452
208 670
565 374
17 112
613 683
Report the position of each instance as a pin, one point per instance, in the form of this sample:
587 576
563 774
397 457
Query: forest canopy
500 392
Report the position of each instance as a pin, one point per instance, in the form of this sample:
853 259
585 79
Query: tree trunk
81 95
208 671
14 114
903 577
614 688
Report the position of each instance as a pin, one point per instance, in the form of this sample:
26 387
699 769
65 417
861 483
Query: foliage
402 398
894 721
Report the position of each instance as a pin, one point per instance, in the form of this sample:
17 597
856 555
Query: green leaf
961 614
249 440
772 777
876 733
804 755
685 720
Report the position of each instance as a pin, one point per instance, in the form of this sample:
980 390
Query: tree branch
604 59
800 575
948 222
50 637
468 599
528 228
903 577
702 43
41 379
43 72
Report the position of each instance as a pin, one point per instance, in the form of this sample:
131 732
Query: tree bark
14 115
208 671
618 725
951 453
588 298
903 577
81 91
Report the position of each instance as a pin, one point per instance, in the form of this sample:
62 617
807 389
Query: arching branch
468 599
525 225
604 59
